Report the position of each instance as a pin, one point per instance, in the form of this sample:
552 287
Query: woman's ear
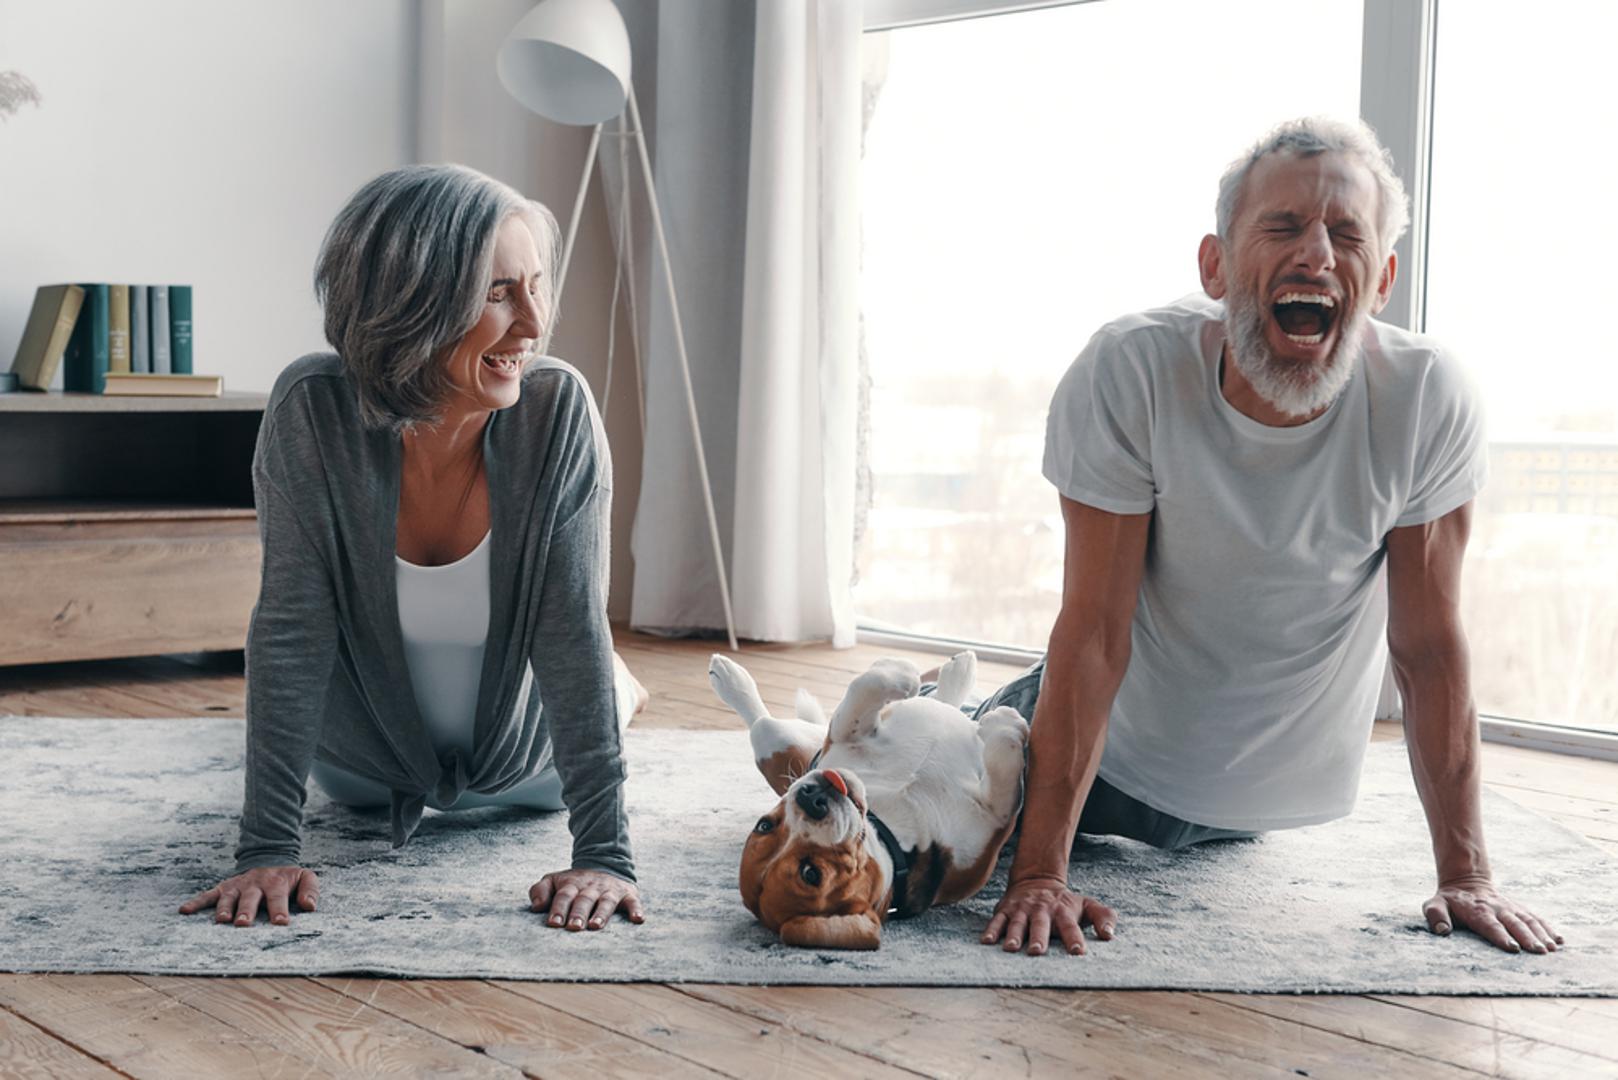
861 931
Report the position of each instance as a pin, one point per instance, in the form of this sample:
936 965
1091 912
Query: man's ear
1211 265
861 931
1384 286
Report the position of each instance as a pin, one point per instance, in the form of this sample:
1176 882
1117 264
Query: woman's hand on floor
585 899
237 899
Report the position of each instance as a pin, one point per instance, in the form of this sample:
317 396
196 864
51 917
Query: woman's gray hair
403 276
1313 135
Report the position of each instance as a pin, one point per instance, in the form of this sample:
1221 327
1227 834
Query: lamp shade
568 61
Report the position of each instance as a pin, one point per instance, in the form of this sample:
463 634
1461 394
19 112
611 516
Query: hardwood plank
1588 1025
143 1033
1252 1038
512 1029
321 1026
28 1052
874 1026
728 1042
1426 1035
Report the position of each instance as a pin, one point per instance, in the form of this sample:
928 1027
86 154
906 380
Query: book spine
161 358
118 328
140 336
46 336
180 329
86 369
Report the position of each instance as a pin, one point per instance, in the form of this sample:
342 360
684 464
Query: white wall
211 142
181 141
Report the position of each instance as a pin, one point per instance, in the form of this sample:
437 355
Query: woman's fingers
200 901
308 889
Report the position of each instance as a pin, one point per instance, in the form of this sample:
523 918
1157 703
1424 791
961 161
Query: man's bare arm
1084 665
1433 669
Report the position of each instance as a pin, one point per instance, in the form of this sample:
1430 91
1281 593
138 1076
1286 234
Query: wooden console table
126 525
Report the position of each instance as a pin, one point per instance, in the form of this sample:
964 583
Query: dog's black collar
902 860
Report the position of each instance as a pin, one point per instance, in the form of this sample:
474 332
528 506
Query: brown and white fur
814 868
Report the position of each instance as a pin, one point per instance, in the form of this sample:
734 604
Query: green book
84 370
180 329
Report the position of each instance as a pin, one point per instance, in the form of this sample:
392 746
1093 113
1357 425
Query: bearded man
1238 480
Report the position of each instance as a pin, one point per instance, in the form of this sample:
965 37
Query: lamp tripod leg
685 368
578 210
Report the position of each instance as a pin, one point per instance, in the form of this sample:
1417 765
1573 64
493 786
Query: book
84 368
117 327
129 384
161 357
140 337
46 334
180 329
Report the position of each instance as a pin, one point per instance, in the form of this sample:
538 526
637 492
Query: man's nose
1315 252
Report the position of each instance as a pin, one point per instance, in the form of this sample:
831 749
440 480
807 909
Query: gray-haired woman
433 501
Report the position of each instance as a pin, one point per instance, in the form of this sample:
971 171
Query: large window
1030 175
1519 254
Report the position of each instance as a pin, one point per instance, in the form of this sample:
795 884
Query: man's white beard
1294 387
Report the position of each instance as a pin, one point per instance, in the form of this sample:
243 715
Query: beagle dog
902 803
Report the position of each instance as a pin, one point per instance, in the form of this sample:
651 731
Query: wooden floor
121 1025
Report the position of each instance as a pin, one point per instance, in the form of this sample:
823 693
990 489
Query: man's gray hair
403 276
1313 135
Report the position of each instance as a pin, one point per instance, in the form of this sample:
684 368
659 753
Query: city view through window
1028 177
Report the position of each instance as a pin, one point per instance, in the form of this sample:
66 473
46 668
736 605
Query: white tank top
444 618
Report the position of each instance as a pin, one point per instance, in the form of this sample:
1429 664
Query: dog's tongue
835 780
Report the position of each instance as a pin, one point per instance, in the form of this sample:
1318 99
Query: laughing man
1238 479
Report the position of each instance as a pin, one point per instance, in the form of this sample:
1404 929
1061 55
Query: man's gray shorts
1108 811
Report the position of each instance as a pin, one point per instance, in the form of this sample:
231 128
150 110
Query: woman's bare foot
626 677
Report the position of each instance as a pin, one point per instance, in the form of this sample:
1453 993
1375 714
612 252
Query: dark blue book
84 368
180 329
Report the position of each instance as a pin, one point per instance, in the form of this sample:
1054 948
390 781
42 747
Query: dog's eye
809 872
764 825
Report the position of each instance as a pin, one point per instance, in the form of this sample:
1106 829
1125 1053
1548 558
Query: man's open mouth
1304 317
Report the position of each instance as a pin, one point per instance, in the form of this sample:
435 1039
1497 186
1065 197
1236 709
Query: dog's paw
1004 723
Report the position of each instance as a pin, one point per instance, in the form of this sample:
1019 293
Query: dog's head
807 870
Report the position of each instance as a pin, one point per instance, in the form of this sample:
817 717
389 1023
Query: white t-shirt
1259 639
444 619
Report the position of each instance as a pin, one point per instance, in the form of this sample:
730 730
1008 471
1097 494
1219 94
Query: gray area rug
109 824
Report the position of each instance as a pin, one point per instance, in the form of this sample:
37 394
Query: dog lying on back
901 803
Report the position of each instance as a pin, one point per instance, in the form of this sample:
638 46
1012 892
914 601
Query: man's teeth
1307 298
1305 339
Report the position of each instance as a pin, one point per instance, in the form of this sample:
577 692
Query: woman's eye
764 825
809 872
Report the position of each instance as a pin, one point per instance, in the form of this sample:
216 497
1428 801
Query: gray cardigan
326 674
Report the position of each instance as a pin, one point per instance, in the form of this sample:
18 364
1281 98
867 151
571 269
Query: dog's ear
809 709
861 931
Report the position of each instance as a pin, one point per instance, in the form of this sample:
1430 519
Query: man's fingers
560 901
991 933
308 890
632 907
601 914
539 894
1015 930
1100 916
1486 926
225 907
247 910
1520 931
1543 931
275 902
1438 917
1069 930
1039 931
200 901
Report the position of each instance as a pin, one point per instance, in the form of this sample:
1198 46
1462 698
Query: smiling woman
433 501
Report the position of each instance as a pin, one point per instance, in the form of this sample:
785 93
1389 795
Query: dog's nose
813 799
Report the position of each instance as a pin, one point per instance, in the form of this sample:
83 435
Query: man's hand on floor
1497 919
237 899
1032 907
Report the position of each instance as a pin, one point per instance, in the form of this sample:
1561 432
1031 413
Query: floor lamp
568 61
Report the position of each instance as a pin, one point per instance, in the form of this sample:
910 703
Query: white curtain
756 156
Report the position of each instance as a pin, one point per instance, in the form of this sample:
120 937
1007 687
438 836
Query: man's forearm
1441 732
1064 750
